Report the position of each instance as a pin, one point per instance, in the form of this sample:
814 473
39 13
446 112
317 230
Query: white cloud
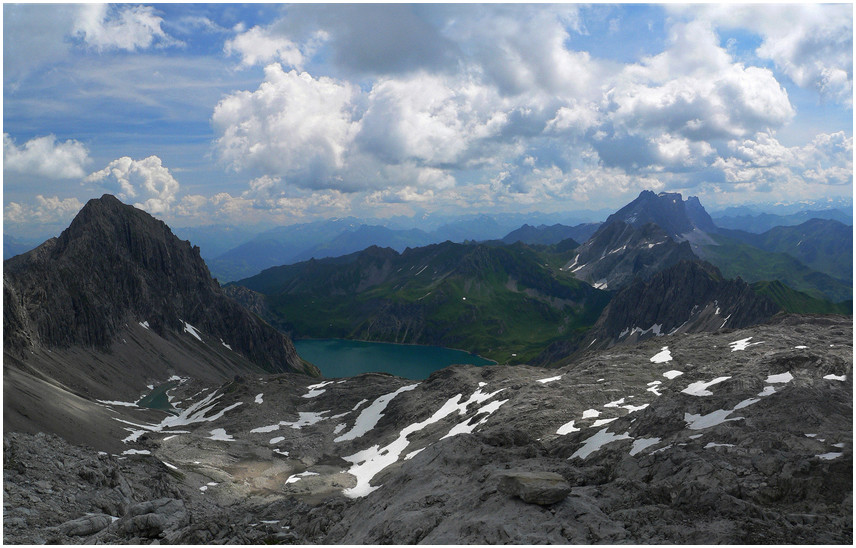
694 89
46 157
811 43
293 126
261 46
762 162
104 27
429 119
46 210
147 179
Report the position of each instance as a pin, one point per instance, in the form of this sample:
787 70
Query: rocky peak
688 297
116 264
668 210
618 252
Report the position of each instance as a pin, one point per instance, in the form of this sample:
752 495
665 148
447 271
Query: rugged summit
688 297
116 264
668 211
117 303
618 252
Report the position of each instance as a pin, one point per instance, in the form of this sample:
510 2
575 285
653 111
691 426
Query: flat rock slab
541 488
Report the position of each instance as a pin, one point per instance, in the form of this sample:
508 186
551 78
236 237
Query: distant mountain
547 235
363 236
666 210
618 252
503 302
322 239
214 240
823 245
762 222
735 258
688 297
797 302
15 246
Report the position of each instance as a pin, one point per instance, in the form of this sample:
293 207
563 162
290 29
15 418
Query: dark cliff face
116 265
619 252
667 210
689 297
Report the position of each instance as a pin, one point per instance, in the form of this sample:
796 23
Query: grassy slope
797 302
734 258
492 300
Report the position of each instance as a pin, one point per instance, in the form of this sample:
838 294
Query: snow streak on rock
663 356
372 414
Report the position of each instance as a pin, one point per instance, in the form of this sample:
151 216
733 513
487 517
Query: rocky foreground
740 436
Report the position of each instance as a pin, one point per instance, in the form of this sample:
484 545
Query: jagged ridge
115 265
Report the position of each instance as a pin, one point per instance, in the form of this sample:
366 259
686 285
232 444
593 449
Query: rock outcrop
688 297
619 252
115 265
737 437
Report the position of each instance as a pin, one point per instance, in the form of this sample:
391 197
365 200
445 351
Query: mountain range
142 403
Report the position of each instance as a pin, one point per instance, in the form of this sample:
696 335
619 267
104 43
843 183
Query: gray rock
543 488
152 518
85 526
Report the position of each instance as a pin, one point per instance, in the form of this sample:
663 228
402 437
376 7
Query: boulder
86 525
543 488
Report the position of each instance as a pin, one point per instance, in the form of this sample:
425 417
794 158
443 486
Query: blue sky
289 113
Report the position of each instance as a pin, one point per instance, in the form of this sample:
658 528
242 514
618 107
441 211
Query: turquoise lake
343 358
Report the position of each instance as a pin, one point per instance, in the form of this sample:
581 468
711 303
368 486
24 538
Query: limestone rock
543 488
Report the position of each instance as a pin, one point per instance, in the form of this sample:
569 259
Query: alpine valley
659 379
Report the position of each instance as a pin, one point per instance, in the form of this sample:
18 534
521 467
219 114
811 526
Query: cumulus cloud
695 90
104 27
293 126
45 210
46 157
260 45
429 119
762 162
147 180
811 43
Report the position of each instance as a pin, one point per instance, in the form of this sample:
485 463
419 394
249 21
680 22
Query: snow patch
304 418
136 452
590 413
700 388
549 379
663 356
369 462
372 414
283 453
567 428
700 422
276 440
801 347
711 445
831 377
643 443
780 378
597 441
634 408
316 389
672 374
219 434
226 345
767 391
412 454
829 456
615 403
294 478
259 398
144 324
192 330
601 422
742 344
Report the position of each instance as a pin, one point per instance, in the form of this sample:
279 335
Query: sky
279 114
